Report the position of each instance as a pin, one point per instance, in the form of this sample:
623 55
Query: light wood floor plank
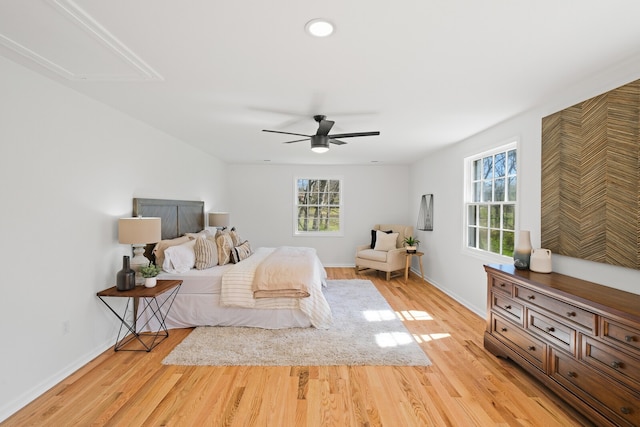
465 385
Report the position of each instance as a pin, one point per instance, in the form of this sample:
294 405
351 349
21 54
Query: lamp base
139 260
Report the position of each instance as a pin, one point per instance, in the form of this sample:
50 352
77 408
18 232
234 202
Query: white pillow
385 242
180 258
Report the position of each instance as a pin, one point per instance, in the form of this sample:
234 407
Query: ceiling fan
320 141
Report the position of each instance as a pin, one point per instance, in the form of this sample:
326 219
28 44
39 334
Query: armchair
387 261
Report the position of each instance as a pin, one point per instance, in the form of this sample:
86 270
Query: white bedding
199 302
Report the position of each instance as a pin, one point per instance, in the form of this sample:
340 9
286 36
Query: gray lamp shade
219 219
139 230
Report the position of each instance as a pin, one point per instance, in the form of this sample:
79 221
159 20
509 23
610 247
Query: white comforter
237 290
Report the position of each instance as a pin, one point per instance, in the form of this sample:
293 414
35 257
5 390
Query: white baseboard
482 312
10 408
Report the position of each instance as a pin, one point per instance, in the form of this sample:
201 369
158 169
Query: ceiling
425 73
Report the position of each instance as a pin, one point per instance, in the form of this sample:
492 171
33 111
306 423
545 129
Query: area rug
365 331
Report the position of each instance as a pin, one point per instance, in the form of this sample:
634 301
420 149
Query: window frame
486 254
340 205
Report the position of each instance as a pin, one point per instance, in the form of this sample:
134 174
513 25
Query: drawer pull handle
502 285
531 297
504 329
532 348
571 314
625 410
507 307
572 374
615 364
551 329
629 338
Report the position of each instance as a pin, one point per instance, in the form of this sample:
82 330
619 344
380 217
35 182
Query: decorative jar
522 252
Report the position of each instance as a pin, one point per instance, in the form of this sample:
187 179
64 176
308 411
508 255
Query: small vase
125 278
150 282
522 252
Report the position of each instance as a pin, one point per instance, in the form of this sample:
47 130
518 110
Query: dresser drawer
621 403
619 334
612 361
507 307
532 349
500 285
568 312
555 332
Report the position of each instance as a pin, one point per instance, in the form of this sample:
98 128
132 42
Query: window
491 196
318 206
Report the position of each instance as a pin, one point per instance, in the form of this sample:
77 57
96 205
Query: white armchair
387 261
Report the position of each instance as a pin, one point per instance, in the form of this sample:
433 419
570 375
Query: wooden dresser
579 338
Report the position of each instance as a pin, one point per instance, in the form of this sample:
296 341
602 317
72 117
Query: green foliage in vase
150 270
410 241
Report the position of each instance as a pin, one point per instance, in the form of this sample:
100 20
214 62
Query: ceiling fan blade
335 141
297 140
354 134
286 133
324 127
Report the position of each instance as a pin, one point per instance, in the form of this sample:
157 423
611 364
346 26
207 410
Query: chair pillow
385 241
374 234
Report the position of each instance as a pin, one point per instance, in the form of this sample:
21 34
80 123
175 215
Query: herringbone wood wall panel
591 179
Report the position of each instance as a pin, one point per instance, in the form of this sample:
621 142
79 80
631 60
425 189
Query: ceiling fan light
319 27
319 143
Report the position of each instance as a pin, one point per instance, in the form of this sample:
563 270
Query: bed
218 296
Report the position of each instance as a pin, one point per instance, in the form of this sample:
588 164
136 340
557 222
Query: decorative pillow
373 236
241 252
206 252
162 245
179 258
224 244
385 241
201 233
235 237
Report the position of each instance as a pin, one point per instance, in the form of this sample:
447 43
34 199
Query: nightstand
139 300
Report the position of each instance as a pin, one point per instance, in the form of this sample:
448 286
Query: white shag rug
365 331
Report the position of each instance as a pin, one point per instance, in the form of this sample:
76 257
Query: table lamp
137 232
219 220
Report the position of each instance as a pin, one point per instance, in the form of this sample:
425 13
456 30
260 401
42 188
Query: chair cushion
373 255
385 242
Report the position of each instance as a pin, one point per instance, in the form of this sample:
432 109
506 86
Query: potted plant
149 272
411 244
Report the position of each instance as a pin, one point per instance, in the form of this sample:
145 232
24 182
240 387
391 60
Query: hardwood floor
465 385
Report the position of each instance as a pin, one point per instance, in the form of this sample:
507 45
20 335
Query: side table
409 257
139 300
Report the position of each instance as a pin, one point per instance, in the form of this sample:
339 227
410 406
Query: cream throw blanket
285 273
237 290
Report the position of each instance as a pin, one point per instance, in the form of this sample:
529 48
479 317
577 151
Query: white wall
262 196
446 265
69 168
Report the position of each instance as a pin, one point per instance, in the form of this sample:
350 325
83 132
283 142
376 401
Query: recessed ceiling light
319 27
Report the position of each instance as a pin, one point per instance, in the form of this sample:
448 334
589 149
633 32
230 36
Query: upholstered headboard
176 217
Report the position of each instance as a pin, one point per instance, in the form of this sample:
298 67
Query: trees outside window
318 206
491 200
